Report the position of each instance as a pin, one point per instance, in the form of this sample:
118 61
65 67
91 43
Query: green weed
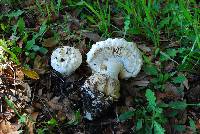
148 119
100 15
151 118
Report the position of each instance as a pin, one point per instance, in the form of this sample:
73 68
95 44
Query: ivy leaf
125 116
151 99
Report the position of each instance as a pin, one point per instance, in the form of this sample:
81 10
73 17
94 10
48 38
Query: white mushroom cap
66 59
115 57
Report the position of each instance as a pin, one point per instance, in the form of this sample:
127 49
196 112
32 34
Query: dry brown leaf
92 36
40 64
7 128
144 48
54 104
50 42
30 73
19 74
198 124
37 62
141 83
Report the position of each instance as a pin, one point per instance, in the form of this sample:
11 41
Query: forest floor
163 98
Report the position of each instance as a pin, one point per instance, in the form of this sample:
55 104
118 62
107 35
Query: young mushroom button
115 57
66 60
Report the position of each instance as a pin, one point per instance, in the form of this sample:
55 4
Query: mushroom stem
112 68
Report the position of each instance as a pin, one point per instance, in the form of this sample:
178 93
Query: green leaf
179 105
157 51
41 130
30 44
171 52
52 122
192 125
163 58
151 70
146 59
42 30
139 124
22 119
179 128
21 25
15 13
179 79
158 129
151 99
59 2
13 56
43 50
164 22
35 48
126 24
9 103
126 115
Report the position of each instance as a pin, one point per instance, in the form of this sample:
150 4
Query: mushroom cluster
108 60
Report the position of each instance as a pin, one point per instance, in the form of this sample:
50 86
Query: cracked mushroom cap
66 59
115 57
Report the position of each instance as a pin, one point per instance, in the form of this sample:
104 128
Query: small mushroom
66 59
115 57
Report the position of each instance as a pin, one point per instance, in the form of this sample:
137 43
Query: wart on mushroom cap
66 59
115 57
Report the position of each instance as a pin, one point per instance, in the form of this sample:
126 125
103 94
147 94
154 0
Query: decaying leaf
92 36
50 42
7 128
141 83
40 64
63 107
30 73
19 74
